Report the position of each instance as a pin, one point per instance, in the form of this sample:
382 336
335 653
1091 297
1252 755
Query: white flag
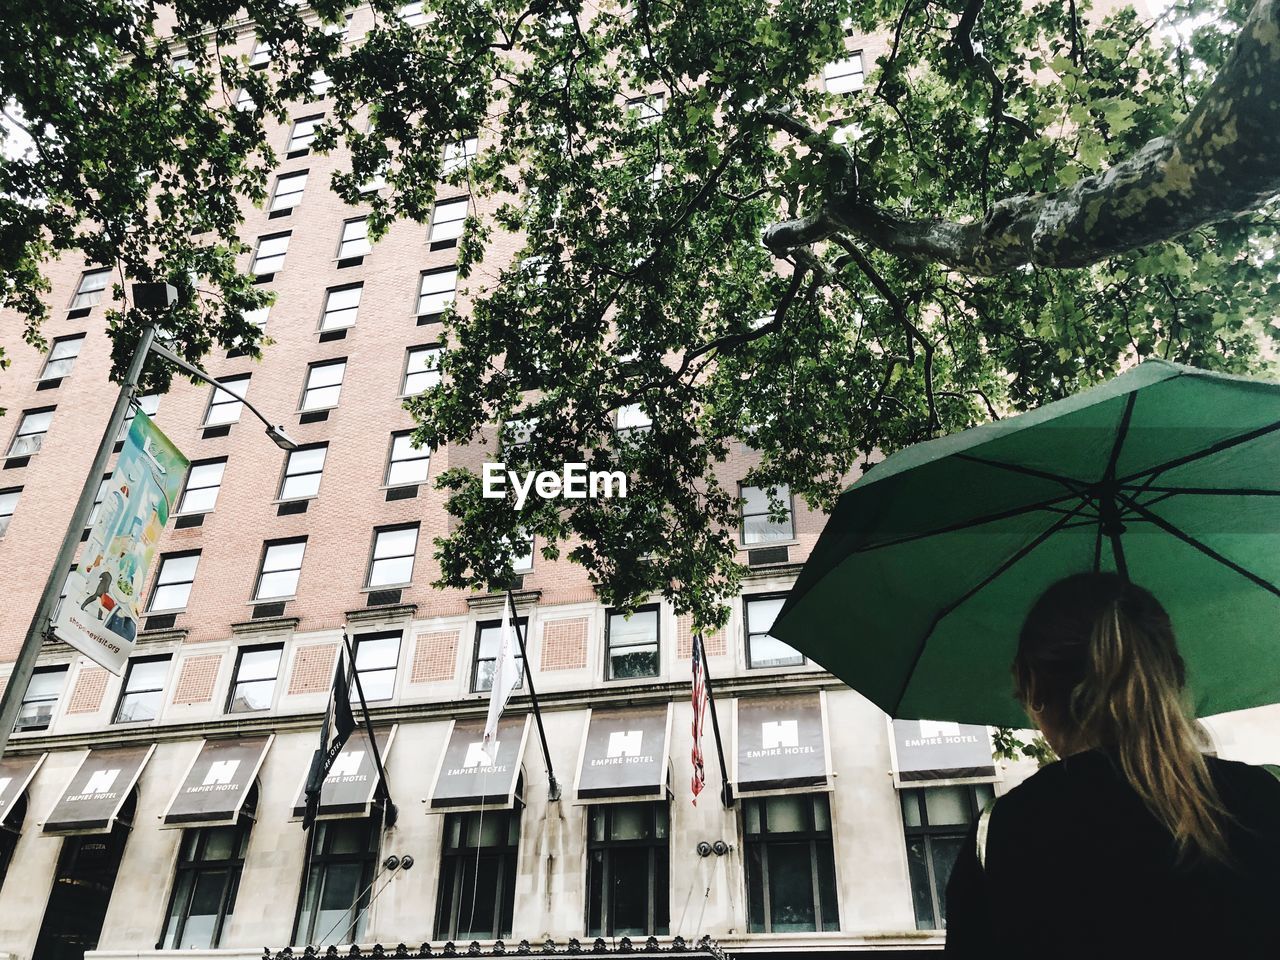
506 674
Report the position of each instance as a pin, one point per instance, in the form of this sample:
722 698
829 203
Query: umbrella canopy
917 588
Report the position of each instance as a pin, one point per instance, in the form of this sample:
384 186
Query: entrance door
82 888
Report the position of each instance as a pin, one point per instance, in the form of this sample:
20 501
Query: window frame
233 381
657 848
845 60
42 434
43 670
125 692
343 239
49 358
416 527
747 600
463 201
254 264
285 475
267 546
236 682
291 147
165 559
7 518
232 867
322 860
274 206
326 312
431 349
394 669
95 294
610 613
421 296
813 837
464 151
187 487
482 625
421 453
307 388
743 516
453 878
928 832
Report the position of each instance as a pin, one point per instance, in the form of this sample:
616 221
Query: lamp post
152 299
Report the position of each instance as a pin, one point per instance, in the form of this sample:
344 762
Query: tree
1020 200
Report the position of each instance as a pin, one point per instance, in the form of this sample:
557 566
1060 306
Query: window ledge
387 586
258 601
276 503
265 626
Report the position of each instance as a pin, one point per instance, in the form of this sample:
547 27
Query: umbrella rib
1152 472
1204 548
1205 491
1070 483
994 575
1121 433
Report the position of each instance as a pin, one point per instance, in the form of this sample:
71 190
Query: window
281 565
173 581
302 469
628 863
844 76
478 875
38 703
205 884
320 83
632 419
488 640
303 132
269 257
421 370
143 689
436 291
62 357
631 645
411 13
335 890
408 464
255 678
261 55
646 110
288 191
377 655
92 285
936 821
149 404
340 29
223 407
8 504
758 523
341 305
324 385
523 560
203 483
448 219
31 430
393 551
355 239
459 154
791 870
763 649
257 317
98 497
244 100
9 833
62 596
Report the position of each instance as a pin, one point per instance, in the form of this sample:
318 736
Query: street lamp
152 299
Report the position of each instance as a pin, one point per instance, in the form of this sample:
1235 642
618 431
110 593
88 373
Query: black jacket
1076 866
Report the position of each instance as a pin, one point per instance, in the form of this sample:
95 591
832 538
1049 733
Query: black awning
92 800
16 774
624 754
352 783
933 751
467 778
217 782
782 744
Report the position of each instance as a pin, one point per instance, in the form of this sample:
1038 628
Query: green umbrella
921 579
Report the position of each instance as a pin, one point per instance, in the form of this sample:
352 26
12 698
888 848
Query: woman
1135 844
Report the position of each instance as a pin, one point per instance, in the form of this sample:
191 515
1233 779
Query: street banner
106 593
939 751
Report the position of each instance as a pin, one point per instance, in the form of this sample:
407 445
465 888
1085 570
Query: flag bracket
553 787
726 789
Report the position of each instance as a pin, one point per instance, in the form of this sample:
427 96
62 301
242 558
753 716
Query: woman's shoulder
1247 783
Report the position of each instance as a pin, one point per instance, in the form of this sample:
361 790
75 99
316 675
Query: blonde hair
1097 657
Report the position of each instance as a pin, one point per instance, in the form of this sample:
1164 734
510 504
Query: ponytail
1097 655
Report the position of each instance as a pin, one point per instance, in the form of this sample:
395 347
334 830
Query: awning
92 800
217 782
782 744
16 774
352 783
624 754
467 780
941 752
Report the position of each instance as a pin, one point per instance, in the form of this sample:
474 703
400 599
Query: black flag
337 727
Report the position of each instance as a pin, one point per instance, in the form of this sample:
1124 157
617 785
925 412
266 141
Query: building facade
159 811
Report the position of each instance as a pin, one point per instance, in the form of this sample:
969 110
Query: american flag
699 717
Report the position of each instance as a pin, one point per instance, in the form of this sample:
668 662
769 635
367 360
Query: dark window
223 406
302 469
628 862
257 669
407 464
377 655
31 432
488 640
791 873
203 483
335 891
62 357
10 830
204 886
764 649
41 698
173 581
936 821
478 875
759 523
391 564
8 504
631 645
324 385
143 689
281 567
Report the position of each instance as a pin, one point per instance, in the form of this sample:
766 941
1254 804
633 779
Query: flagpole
726 791
554 793
391 813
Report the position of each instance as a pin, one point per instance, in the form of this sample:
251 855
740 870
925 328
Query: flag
506 674
699 717
337 727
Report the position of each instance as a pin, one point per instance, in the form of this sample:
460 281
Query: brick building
271 554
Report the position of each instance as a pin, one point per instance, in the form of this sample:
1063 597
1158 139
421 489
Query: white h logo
938 728
779 733
220 771
478 756
626 743
100 781
347 763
